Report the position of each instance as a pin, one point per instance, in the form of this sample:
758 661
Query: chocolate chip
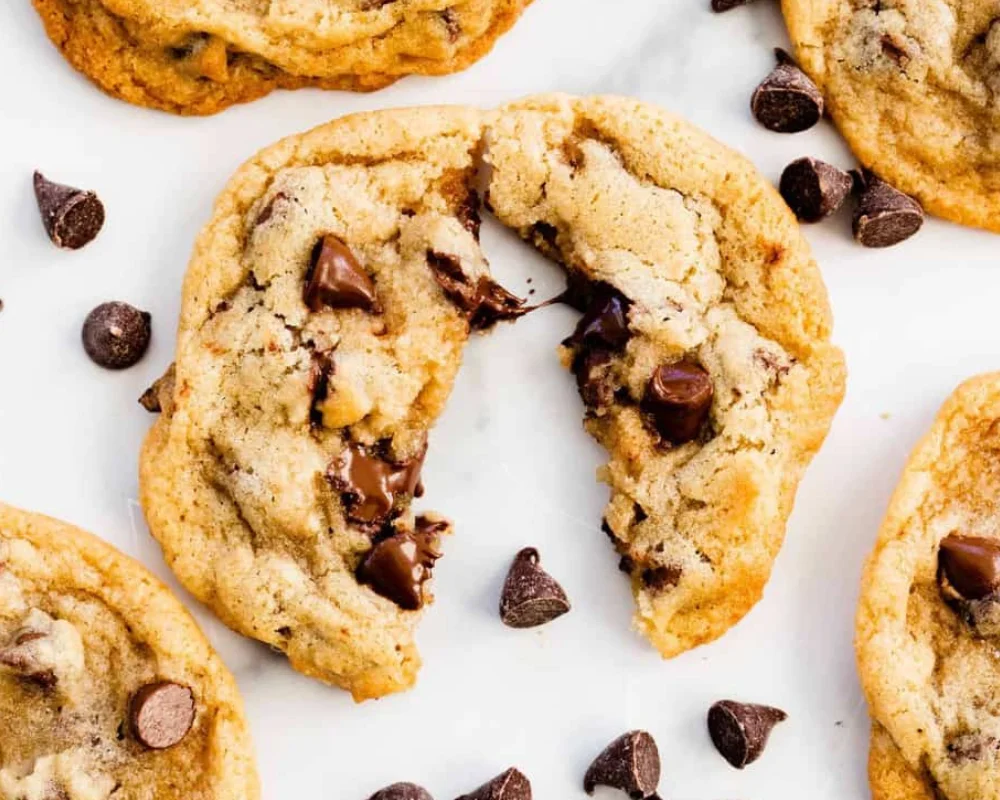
814 189
718 6
661 578
483 301
509 785
468 213
594 378
679 398
398 567
402 791
740 731
971 747
971 564
787 101
72 217
20 657
605 322
337 280
531 597
370 485
161 714
321 370
159 397
451 24
884 215
116 335
630 763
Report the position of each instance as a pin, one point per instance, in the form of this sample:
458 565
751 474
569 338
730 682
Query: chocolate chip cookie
198 58
107 686
914 86
323 320
929 613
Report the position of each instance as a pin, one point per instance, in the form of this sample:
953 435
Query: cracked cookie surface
323 321
926 628
108 689
200 57
914 86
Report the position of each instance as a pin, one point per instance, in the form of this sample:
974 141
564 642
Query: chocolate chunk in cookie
971 565
509 785
814 189
531 597
484 301
398 566
402 791
740 731
595 378
337 280
323 368
605 322
370 485
21 657
630 763
161 714
884 216
72 217
116 335
787 101
679 398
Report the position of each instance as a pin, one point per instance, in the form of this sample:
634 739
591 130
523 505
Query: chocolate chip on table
370 484
484 301
337 280
72 217
787 101
402 791
718 6
159 397
531 597
679 399
630 763
398 566
116 335
884 215
971 564
509 785
740 731
161 714
814 189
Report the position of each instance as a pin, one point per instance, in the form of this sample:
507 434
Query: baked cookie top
928 616
199 57
107 686
322 325
914 86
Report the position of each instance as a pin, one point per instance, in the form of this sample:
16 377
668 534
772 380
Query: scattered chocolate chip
679 398
531 597
337 280
605 322
814 189
484 301
322 369
116 335
594 378
509 785
661 578
402 791
159 397
884 215
161 714
72 217
971 564
719 6
630 763
398 567
787 101
370 484
740 731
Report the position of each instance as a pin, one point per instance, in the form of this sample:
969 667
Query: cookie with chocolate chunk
162 54
914 87
929 614
107 686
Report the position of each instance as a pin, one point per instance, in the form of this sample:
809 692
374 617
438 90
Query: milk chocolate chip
72 217
740 731
370 485
161 714
884 216
814 189
509 785
630 763
398 567
787 101
531 597
971 564
116 335
402 791
337 280
679 399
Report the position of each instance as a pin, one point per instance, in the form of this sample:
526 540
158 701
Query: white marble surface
509 461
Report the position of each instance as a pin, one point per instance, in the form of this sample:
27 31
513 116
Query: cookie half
914 86
323 321
107 686
930 604
170 55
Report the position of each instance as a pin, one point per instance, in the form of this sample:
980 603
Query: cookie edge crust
129 588
976 207
113 76
889 776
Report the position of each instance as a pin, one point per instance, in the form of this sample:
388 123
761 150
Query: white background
509 461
